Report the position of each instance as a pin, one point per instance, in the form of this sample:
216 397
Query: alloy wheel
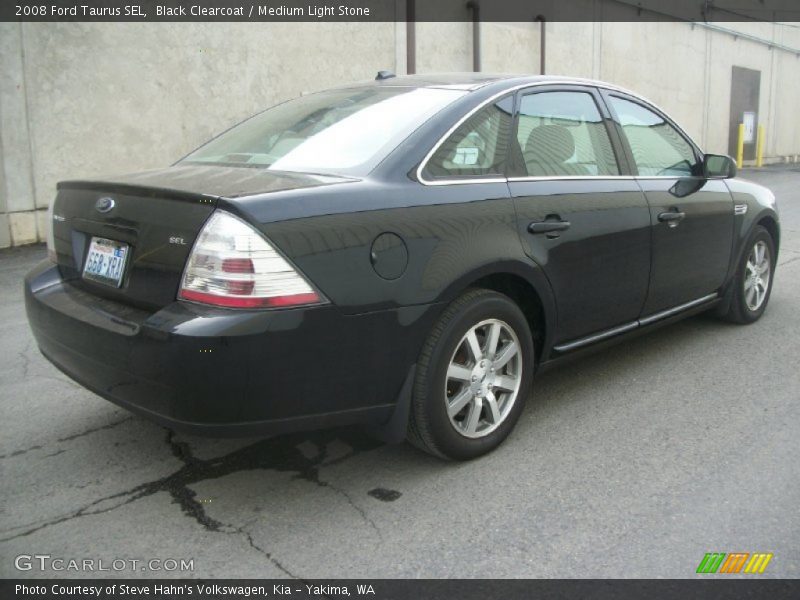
483 378
756 277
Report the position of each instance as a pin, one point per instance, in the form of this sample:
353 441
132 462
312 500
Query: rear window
340 132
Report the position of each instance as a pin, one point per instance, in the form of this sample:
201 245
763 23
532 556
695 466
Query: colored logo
735 562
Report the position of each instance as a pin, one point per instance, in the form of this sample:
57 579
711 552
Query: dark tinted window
478 147
562 133
658 148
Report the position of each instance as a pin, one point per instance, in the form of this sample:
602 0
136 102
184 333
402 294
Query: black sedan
405 254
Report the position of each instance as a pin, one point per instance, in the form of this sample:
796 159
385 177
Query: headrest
550 143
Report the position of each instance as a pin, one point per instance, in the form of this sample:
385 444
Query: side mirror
718 166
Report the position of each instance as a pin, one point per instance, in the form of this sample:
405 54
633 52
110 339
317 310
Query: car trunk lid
157 215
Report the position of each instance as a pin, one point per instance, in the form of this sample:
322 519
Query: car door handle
671 217
548 226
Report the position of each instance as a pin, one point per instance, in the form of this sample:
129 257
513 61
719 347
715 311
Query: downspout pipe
542 43
411 37
476 34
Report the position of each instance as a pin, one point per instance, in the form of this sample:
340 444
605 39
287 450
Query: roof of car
461 81
474 81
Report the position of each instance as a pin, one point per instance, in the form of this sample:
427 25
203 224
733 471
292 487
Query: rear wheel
473 377
753 282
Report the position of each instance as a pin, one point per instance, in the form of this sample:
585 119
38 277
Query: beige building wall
84 100
509 47
443 47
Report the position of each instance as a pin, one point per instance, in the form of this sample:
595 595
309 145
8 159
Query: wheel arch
528 287
769 223
766 219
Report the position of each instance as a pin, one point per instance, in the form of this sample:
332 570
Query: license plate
105 262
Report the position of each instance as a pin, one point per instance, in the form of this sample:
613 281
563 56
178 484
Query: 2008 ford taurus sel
404 254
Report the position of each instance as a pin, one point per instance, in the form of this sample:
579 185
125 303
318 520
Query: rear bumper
226 372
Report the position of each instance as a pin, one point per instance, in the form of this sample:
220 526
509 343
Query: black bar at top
387 10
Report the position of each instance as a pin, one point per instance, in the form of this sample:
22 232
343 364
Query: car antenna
384 75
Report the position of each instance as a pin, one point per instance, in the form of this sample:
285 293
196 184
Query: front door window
658 148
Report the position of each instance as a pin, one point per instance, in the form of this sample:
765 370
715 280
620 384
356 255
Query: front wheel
473 377
753 281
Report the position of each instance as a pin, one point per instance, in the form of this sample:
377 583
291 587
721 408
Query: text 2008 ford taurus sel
403 254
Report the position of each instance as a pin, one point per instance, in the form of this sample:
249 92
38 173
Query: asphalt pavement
633 462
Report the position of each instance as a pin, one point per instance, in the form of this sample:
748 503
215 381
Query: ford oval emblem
104 205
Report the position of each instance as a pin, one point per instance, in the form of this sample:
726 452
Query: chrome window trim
475 180
592 177
521 86
567 177
669 176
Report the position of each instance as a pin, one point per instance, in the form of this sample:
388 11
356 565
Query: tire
491 403
747 306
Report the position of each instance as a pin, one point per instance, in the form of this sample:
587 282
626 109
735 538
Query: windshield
341 132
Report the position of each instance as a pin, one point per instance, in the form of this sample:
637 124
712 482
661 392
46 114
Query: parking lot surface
633 462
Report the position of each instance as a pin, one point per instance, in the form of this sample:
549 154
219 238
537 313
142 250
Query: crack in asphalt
26 360
82 512
26 364
68 438
365 517
276 454
786 262
20 452
95 429
268 555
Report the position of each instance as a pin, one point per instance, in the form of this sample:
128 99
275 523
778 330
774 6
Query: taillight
232 265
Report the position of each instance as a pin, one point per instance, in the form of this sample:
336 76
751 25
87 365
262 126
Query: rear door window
562 133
